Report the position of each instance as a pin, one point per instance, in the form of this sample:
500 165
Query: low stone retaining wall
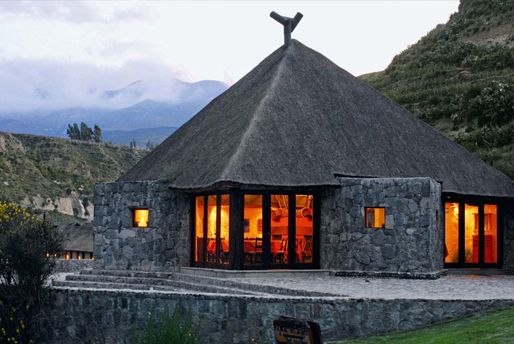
73 265
95 316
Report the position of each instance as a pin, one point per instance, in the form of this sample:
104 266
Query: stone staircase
173 282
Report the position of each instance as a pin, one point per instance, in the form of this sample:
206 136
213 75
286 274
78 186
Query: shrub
167 329
27 246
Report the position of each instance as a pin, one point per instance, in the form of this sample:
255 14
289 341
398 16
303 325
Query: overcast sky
113 43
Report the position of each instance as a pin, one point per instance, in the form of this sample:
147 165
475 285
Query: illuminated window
140 218
451 232
490 233
252 229
375 217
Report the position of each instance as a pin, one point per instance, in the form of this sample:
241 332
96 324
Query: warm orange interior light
141 218
375 217
451 232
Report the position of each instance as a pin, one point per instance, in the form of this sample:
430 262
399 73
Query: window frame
236 225
134 223
367 225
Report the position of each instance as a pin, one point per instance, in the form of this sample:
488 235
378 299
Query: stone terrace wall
72 265
412 240
163 246
91 316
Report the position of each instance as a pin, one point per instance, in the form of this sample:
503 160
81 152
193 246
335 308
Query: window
304 229
490 233
140 218
211 230
471 233
199 240
224 229
451 232
375 217
279 229
252 229
275 230
212 218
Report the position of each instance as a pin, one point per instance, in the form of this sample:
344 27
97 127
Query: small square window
140 218
375 217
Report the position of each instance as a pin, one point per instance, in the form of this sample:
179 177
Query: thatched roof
297 119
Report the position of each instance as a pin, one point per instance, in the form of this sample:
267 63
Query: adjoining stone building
300 165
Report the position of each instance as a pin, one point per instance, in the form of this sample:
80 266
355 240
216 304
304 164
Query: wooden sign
296 331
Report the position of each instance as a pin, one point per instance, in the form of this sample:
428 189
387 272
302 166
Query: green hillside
58 174
460 79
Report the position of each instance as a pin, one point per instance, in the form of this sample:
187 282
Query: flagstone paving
452 287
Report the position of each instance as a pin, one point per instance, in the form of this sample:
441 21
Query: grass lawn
494 327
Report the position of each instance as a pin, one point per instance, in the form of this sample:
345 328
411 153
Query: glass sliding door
304 229
255 230
252 227
279 229
451 232
491 233
211 230
224 239
212 201
471 233
472 236
289 227
199 230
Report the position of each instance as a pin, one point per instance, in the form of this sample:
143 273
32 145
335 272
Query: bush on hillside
27 248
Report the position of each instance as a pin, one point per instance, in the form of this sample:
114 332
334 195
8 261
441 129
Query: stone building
300 165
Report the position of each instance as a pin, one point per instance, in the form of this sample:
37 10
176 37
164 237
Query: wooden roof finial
289 24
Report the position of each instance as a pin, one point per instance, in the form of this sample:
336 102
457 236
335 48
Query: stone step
127 273
196 281
107 285
167 282
253 286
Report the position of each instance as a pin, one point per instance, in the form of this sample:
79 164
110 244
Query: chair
280 256
257 254
211 250
249 250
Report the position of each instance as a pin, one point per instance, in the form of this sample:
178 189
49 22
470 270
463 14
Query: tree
133 144
28 245
86 134
150 145
73 131
97 134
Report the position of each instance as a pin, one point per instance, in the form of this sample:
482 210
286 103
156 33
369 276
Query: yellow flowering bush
27 243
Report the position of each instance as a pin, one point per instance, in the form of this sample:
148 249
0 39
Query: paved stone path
466 287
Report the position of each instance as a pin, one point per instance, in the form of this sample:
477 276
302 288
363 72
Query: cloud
73 11
27 84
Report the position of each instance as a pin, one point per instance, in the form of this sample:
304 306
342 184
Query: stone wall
163 246
412 240
72 265
92 316
508 234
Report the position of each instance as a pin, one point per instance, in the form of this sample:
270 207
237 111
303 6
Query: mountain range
144 120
